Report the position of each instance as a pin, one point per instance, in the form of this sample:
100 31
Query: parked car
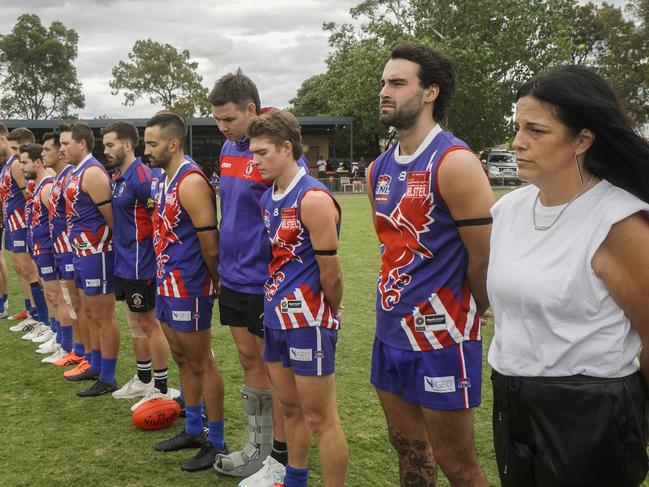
501 168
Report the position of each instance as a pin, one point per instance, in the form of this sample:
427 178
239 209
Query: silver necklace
543 228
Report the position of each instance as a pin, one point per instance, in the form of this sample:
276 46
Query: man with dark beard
135 261
430 201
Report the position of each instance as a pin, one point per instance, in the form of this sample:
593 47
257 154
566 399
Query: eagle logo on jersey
37 211
55 197
287 239
5 189
71 197
400 233
163 234
272 285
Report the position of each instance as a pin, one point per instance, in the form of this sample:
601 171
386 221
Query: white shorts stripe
318 349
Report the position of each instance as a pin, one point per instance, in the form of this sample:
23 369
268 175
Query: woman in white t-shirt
568 283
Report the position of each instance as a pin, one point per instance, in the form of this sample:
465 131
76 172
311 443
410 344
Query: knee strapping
68 302
136 329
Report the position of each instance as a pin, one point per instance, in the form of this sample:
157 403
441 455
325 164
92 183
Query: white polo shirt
553 316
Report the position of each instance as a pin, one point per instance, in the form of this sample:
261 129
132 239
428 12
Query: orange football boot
23 315
79 369
70 359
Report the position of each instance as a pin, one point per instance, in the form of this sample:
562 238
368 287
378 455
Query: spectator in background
322 167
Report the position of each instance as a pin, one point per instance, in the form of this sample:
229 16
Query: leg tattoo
417 466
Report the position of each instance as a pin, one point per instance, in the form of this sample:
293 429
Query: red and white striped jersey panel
301 309
459 321
17 220
62 244
173 286
88 243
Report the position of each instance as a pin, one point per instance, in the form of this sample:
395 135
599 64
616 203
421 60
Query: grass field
51 437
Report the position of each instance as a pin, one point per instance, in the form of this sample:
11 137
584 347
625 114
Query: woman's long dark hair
583 99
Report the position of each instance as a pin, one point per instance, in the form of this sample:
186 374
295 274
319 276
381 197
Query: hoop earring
581 175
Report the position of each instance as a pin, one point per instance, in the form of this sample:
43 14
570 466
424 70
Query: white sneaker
57 355
25 325
45 336
49 346
37 330
4 312
271 474
154 394
133 388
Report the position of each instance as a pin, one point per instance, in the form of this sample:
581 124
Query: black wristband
107 202
474 222
206 229
325 252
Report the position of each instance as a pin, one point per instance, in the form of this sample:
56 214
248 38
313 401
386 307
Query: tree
39 79
496 45
165 75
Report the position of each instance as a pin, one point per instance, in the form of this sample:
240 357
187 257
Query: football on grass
156 414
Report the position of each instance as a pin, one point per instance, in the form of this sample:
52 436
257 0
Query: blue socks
296 477
215 434
28 306
65 332
79 350
39 301
193 420
107 373
95 361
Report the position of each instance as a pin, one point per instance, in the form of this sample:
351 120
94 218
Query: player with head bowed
89 217
243 272
62 249
430 200
185 239
303 295
38 230
135 260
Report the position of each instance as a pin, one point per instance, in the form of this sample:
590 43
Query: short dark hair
81 131
235 88
34 151
64 127
54 136
22 135
582 99
172 121
3 130
434 69
124 131
278 127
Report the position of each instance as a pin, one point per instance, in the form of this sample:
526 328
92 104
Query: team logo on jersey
121 189
55 196
287 239
71 197
267 220
37 211
163 232
400 235
382 189
250 166
272 285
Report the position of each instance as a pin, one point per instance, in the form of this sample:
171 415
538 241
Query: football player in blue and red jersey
185 239
303 295
135 261
89 215
243 272
41 246
431 201
14 187
54 160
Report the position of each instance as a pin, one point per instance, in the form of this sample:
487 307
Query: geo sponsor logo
301 354
439 384
93 282
181 315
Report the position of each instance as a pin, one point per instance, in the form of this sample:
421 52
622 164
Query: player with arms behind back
303 297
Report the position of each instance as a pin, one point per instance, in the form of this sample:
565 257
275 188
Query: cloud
278 44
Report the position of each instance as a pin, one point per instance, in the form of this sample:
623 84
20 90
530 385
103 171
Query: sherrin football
156 414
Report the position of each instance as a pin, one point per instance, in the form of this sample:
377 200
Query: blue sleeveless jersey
88 231
181 271
243 268
13 200
39 225
57 213
423 299
132 225
293 296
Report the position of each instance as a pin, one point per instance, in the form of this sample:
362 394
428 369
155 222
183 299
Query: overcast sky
278 43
